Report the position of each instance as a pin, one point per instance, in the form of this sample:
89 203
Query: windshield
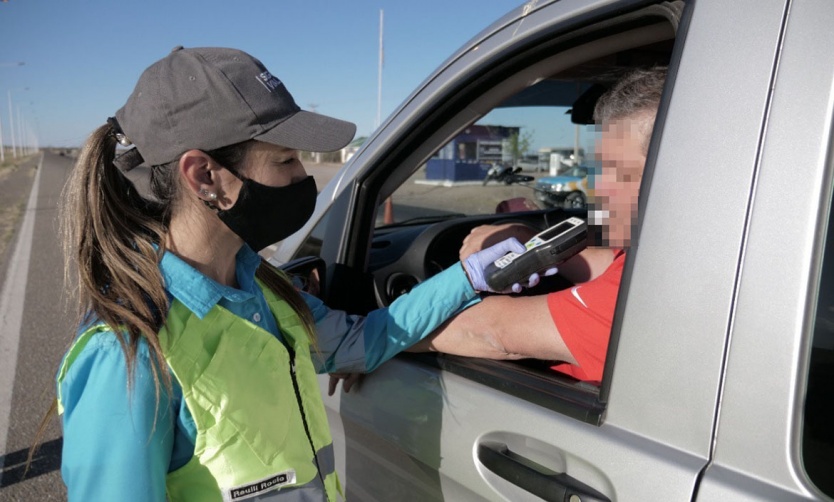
469 175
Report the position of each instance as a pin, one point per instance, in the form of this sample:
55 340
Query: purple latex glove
535 278
475 264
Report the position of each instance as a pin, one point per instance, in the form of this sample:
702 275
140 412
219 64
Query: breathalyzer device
548 248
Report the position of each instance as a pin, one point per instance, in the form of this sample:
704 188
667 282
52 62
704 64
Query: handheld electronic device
548 248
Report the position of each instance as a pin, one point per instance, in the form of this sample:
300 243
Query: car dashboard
403 256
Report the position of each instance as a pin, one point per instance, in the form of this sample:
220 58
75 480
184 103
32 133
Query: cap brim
310 132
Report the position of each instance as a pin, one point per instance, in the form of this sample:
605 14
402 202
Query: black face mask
264 215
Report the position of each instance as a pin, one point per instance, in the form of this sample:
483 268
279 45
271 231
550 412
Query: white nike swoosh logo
575 294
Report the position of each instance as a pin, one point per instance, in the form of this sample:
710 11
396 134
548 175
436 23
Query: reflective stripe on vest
237 381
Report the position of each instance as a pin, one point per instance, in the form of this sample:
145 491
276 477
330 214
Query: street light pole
21 144
11 124
2 148
19 135
15 144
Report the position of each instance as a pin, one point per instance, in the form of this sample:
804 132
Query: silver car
719 381
567 189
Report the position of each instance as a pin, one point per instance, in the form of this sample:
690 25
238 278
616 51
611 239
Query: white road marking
12 299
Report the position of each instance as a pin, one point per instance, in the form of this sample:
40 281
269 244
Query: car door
774 436
448 428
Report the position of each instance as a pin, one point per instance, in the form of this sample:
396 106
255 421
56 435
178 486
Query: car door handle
533 477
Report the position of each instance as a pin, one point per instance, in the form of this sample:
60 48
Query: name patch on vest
259 487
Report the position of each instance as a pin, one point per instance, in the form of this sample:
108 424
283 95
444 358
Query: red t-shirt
583 315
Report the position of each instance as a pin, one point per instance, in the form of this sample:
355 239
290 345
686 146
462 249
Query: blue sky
82 58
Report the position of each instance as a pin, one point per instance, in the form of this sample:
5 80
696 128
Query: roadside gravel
16 177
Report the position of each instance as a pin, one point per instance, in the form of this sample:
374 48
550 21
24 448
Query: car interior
569 70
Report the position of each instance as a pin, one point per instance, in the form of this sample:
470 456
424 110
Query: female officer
193 372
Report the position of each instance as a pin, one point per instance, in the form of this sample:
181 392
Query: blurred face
620 151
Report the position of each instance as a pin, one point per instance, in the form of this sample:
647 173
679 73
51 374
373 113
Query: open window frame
588 50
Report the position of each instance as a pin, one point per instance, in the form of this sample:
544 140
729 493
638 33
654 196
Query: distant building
352 148
556 160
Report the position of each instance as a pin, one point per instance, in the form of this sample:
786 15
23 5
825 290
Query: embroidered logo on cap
269 81
259 487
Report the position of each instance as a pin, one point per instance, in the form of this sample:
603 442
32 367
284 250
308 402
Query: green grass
8 220
10 161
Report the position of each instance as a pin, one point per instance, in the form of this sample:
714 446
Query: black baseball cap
210 97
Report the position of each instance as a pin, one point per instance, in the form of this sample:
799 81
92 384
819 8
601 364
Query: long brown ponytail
113 239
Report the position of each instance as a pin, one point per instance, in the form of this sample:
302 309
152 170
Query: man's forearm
500 327
465 335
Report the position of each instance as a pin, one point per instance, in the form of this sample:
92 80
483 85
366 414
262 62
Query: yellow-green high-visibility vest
261 424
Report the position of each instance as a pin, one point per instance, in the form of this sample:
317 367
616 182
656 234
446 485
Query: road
35 329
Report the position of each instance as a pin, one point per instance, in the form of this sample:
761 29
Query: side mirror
311 270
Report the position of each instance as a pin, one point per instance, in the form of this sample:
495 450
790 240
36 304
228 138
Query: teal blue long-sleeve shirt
119 445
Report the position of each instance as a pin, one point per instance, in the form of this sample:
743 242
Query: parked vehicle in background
720 371
568 189
506 174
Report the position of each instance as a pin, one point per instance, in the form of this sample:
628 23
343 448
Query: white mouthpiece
597 217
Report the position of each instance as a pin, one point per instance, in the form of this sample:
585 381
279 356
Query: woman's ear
208 180
196 170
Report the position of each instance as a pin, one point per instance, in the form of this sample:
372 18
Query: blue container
451 170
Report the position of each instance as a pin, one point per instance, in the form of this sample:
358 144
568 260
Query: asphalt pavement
35 330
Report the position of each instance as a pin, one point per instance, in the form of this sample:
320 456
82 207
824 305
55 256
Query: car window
532 156
537 122
440 174
818 433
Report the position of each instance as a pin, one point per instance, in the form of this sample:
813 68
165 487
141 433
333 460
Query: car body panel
769 348
403 420
693 236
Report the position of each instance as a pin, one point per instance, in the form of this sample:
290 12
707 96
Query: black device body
546 249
